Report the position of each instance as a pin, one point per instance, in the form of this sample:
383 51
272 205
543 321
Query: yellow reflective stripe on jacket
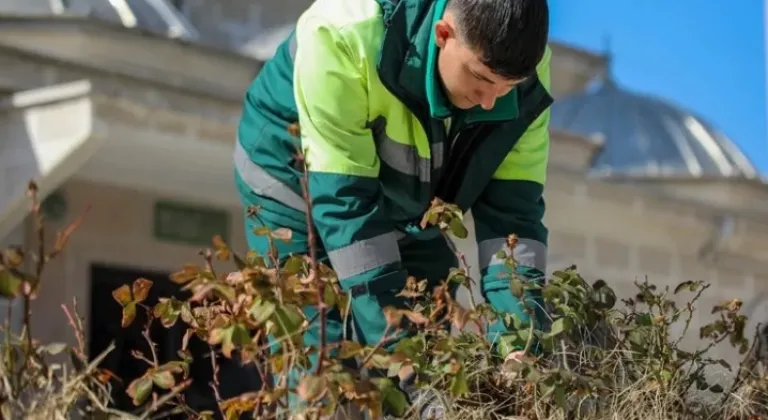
342 104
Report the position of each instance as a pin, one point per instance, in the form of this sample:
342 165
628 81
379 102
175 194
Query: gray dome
648 137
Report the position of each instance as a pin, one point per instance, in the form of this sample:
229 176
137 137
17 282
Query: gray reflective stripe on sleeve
365 255
528 253
262 183
402 157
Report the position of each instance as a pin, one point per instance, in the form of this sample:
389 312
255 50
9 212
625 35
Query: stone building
130 107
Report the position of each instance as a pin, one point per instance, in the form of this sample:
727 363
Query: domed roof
648 137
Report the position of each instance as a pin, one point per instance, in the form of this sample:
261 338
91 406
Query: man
398 102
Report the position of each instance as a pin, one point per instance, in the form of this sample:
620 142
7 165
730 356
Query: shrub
601 357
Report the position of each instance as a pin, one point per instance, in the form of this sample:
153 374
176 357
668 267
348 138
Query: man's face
467 82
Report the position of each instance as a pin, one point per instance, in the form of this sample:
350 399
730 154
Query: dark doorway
104 327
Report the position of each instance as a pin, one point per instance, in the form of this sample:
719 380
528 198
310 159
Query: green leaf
517 287
293 265
559 394
140 389
457 276
240 335
262 310
459 386
411 347
129 314
644 319
287 321
164 379
9 283
253 259
551 292
684 285
561 325
261 231
392 398
458 228
724 364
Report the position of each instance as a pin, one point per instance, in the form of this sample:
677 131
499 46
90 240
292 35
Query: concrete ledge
48 135
131 52
46 95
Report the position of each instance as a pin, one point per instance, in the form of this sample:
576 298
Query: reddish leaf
122 295
416 317
63 237
282 234
393 316
311 388
222 250
187 274
141 288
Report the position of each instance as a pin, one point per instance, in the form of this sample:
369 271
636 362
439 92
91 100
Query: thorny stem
78 331
463 263
689 318
214 384
151 343
315 270
40 264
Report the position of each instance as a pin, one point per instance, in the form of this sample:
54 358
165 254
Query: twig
78 332
384 338
214 384
165 398
151 343
315 270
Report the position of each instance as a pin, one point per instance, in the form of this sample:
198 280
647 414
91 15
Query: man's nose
487 99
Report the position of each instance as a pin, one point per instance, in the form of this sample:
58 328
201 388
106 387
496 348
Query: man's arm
512 203
347 201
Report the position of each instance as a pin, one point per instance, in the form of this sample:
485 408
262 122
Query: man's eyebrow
481 76
507 82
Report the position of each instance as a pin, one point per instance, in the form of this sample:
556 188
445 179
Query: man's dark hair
509 35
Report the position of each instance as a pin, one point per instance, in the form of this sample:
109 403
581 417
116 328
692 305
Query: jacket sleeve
513 203
330 88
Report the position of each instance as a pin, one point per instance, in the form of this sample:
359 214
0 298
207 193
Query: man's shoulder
354 25
343 15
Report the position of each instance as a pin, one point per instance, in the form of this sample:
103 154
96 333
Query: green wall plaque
189 224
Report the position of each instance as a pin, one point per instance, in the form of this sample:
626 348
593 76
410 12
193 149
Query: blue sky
707 56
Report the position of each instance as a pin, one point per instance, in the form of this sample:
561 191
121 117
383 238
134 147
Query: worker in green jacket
398 102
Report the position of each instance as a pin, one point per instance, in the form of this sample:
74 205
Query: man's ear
443 32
